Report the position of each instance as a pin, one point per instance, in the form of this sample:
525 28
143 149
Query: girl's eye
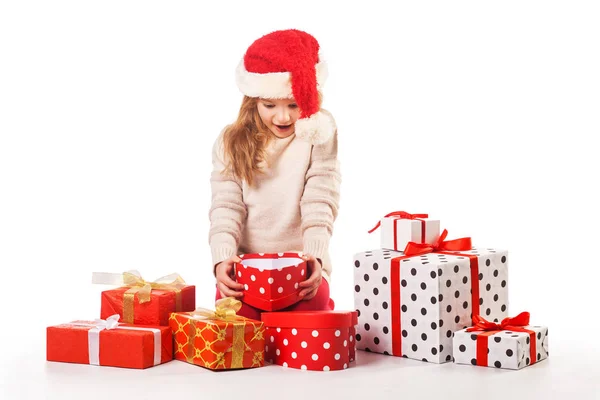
269 105
294 105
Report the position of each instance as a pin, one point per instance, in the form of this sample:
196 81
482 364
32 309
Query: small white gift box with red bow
398 228
511 344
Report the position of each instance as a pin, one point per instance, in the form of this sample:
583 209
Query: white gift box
397 232
398 228
411 306
508 349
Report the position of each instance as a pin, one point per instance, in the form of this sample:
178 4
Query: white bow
109 323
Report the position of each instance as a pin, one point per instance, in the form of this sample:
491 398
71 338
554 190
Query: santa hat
286 64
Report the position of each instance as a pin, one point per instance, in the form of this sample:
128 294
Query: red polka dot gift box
512 344
271 280
411 304
309 340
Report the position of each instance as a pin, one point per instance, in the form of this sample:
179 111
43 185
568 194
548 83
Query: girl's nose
282 116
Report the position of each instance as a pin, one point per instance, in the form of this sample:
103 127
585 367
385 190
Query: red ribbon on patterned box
515 324
412 249
397 215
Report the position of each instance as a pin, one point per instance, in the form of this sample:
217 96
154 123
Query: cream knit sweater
290 207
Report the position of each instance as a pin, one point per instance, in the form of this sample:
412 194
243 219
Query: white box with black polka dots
410 306
501 349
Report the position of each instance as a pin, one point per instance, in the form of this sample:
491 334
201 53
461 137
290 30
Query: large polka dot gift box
311 340
410 306
501 345
271 280
398 228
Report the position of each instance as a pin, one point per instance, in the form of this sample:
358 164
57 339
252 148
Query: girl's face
279 115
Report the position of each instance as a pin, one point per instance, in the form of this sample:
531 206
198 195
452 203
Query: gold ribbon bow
143 288
172 282
225 310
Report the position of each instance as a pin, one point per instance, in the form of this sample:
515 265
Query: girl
275 180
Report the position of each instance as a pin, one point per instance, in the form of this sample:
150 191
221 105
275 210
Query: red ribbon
413 249
397 215
515 324
416 249
507 324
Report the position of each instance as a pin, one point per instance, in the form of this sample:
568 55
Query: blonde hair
245 142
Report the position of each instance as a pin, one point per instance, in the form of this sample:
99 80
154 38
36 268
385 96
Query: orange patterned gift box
218 339
145 303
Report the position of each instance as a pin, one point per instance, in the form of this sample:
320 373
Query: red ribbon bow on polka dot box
512 344
399 227
271 279
310 340
411 302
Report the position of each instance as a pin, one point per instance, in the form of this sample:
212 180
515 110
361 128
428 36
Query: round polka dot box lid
310 319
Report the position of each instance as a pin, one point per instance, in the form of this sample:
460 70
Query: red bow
508 324
400 215
415 249
515 324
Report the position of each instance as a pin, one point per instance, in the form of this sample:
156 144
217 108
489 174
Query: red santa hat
286 64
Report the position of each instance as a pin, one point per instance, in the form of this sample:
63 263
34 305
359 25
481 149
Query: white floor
570 372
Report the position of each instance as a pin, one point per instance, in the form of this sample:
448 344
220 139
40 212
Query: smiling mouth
283 127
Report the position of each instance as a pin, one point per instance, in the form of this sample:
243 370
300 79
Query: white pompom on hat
287 64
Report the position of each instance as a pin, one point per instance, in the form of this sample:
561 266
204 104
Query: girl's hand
311 285
224 272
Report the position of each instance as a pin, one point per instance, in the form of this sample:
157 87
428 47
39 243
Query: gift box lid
354 318
309 319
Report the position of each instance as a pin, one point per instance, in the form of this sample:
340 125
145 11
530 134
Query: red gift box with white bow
271 281
109 343
309 340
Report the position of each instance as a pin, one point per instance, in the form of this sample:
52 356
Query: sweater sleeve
228 211
320 200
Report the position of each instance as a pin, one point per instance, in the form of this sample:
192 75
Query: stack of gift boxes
424 297
160 323
143 324
420 296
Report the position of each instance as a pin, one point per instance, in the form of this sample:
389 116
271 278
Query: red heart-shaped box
271 279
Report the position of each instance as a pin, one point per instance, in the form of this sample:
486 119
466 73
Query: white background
483 114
